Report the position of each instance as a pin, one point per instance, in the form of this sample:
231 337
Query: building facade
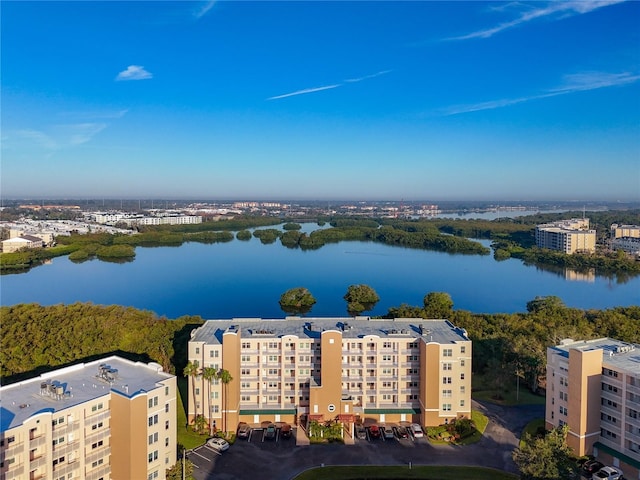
567 236
16 244
629 231
594 387
350 369
107 419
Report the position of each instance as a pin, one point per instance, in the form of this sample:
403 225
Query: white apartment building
107 419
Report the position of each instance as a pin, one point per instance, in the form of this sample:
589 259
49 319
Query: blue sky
321 100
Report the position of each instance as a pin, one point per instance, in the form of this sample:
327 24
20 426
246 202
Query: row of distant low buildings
116 419
131 220
574 235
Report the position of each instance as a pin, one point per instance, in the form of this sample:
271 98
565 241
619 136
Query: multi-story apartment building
594 387
350 369
568 236
107 419
629 231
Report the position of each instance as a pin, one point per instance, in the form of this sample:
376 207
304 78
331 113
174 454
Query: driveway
284 460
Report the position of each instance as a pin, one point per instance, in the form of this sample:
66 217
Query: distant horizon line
497 202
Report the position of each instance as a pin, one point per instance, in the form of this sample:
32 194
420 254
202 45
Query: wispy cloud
373 75
134 72
554 10
201 12
306 90
573 83
329 87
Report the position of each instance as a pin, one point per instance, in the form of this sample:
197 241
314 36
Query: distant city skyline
528 101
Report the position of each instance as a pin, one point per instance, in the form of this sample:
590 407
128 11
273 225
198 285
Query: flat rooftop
616 353
438 331
75 385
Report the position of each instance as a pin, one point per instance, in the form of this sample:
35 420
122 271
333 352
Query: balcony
633 388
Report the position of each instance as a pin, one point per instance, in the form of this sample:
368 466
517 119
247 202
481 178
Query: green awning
378 411
625 458
286 411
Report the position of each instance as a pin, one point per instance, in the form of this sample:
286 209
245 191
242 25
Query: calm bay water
246 279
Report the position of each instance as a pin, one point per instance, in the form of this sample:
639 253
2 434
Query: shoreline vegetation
511 238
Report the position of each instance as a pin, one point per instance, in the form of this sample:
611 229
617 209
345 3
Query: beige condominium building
567 236
594 387
107 419
348 369
625 231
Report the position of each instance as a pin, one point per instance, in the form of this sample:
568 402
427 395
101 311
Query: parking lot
283 459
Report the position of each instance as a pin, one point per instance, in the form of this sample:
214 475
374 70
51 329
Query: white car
416 430
607 473
219 444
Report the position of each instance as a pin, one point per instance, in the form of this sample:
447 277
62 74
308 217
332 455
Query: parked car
374 431
607 473
270 432
244 430
416 430
387 433
591 466
219 444
285 430
361 432
402 432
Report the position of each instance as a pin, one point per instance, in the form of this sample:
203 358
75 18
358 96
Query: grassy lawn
186 436
480 421
509 393
532 428
396 473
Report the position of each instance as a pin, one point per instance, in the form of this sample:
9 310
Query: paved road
284 460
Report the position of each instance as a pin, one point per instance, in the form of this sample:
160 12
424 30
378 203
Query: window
273 371
462 389
97 426
462 363
97 444
58 441
446 379
463 349
246 345
462 403
58 421
166 390
245 371
153 438
96 407
245 358
386 345
386 384
152 475
446 393
446 366
245 398
58 460
153 402
213 353
386 358
197 350
273 358
215 409
197 391
166 425
166 408
97 462
446 407
462 376
386 396
447 352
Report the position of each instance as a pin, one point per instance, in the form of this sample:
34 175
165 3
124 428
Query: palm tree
225 377
208 375
193 370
